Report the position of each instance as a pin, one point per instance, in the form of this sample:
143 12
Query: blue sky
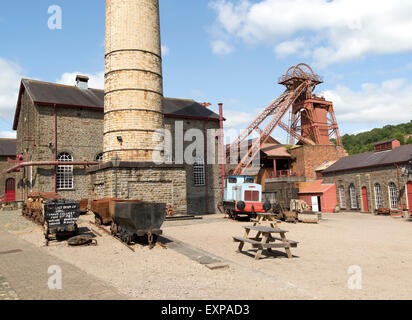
232 52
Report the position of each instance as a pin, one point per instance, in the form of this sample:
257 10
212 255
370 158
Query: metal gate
10 190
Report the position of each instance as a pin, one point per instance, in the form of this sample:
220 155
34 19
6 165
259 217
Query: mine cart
33 207
103 209
60 217
137 219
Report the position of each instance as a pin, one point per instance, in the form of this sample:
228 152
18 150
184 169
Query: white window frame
199 175
353 198
393 195
342 197
64 174
378 196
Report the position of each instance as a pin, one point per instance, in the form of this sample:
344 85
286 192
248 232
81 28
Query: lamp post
116 164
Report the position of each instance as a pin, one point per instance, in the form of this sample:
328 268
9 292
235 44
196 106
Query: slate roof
8 147
45 93
400 154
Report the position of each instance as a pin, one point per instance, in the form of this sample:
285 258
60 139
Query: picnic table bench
265 240
266 217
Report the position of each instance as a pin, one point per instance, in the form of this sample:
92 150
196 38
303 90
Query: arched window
342 197
99 157
199 172
378 196
353 200
64 179
393 195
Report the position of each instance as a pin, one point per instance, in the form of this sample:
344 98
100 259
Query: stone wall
79 134
153 184
367 177
196 195
4 165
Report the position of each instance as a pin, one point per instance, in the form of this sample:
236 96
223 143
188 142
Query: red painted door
409 190
365 199
10 189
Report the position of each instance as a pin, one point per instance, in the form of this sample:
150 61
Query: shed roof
46 93
400 154
316 187
8 147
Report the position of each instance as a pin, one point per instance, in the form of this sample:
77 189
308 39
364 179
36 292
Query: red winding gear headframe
312 119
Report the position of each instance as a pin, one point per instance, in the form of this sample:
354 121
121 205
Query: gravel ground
379 245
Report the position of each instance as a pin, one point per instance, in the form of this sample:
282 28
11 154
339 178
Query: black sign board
61 214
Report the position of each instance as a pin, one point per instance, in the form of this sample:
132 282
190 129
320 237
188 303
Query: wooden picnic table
266 217
265 240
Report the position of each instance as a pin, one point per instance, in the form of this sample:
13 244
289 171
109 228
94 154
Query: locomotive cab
242 196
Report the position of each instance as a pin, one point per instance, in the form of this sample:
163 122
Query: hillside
364 142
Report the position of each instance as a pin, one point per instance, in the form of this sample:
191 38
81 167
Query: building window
378 196
342 197
64 179
99 157
353 200
393 195
199 172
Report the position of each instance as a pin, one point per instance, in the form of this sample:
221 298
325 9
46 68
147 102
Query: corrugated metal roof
273 150
8 147
62 95
316 187
371 159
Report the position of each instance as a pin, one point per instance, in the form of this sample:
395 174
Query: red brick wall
308 158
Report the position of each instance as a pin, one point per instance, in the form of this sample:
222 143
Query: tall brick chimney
133 103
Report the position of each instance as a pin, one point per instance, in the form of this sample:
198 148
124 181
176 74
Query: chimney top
82 82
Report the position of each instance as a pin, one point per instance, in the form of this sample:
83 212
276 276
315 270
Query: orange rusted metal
312 119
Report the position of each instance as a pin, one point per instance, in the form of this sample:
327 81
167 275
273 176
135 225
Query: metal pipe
55 148
222 148
50 163
399 186
205 161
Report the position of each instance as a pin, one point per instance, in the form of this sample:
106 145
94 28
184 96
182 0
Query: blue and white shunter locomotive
242 196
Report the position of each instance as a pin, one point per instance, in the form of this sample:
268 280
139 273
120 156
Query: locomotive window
250 180
232 180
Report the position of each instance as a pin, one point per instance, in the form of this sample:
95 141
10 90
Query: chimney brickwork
133 80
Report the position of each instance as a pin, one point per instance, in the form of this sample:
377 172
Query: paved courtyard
345 256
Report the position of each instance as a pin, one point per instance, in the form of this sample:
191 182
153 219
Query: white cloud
10 76
165 50
287 48
343 29
8 134
96 80
236 118
389 102
220 47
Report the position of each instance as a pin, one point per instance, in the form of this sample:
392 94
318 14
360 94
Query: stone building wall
367 177
165 184
4 165
196 195
79 134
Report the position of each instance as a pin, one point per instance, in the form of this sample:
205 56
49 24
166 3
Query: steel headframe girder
255 124
281 110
